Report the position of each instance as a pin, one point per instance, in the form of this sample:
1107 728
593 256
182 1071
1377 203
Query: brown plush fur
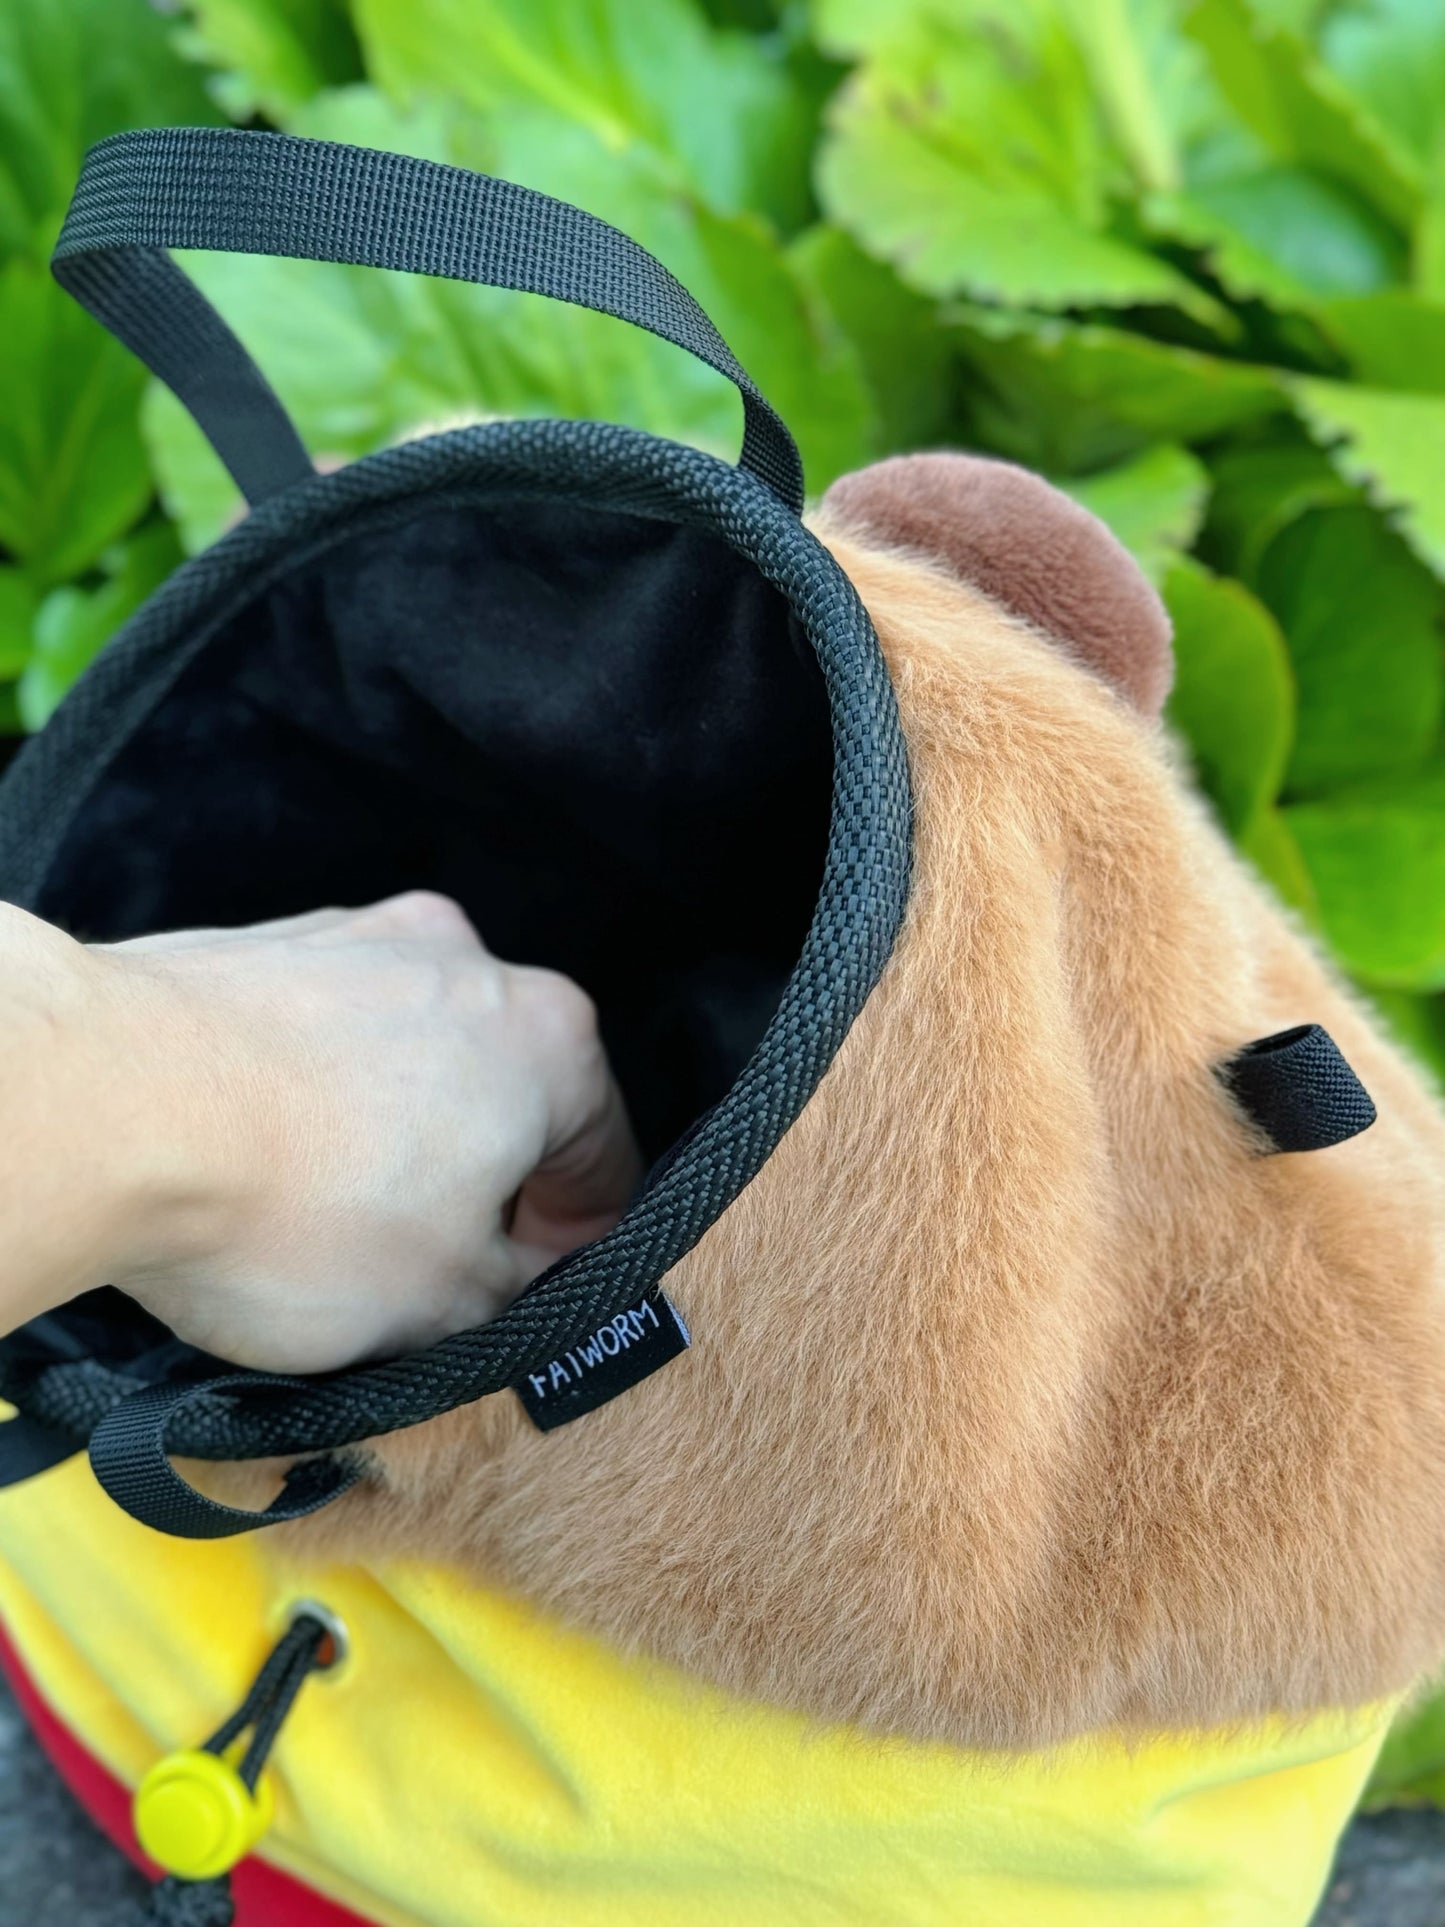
1026 1397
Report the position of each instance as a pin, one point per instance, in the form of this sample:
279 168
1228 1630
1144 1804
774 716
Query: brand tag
617 1356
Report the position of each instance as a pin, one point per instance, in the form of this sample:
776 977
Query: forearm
89 1171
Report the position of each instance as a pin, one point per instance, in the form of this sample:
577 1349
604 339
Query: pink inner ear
1026 545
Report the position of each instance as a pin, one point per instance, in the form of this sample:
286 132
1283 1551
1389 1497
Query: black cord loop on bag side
244 192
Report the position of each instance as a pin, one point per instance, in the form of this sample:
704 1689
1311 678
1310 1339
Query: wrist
115 1178
168 1189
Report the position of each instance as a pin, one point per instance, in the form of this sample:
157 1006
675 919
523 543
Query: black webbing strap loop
129 1457
258 193
1297 1088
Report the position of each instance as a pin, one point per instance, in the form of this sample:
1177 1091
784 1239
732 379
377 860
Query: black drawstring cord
269 1700
173 1902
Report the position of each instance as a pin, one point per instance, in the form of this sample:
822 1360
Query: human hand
342 1135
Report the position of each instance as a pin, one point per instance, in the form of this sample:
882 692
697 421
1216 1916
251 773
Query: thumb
583 1185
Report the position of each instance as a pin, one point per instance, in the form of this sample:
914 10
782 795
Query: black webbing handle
241 192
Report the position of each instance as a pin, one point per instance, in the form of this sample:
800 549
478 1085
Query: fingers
417 915
591 1165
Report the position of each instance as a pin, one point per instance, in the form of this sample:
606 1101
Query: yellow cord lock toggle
196 1817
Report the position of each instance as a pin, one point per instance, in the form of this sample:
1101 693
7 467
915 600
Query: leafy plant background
1187 257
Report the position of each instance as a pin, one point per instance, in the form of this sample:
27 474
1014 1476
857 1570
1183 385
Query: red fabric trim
265 1897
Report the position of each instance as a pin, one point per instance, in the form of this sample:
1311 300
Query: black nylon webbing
260 193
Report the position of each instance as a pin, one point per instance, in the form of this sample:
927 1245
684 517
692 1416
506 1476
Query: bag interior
603 734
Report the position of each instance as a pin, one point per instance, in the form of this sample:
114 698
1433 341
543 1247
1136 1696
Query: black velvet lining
601 733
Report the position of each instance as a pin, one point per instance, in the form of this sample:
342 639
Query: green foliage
710 112
72 71
72 625
1154 503
1388 442
1376 856
1187 257
969 154
1391 56
1234 691
1298 109
1362 619
1069 396
73 472
271 56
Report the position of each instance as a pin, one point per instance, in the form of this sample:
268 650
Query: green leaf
757 16
72 469
1300 16
1066 396
903 348
1269 844
73 625
1376 858
1362 618
1143 73
1302 112
715 112
1151 89
972 159
1259 489
1391 55
848 29
1233 695
1282 234
1417 1024
272 54
18 604
1429 275
72 71
1394 339
1393 446
433 128
196 493
1154 503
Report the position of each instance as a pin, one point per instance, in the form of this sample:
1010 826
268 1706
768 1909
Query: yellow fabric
473 1765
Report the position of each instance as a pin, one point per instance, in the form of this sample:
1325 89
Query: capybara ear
1029 547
